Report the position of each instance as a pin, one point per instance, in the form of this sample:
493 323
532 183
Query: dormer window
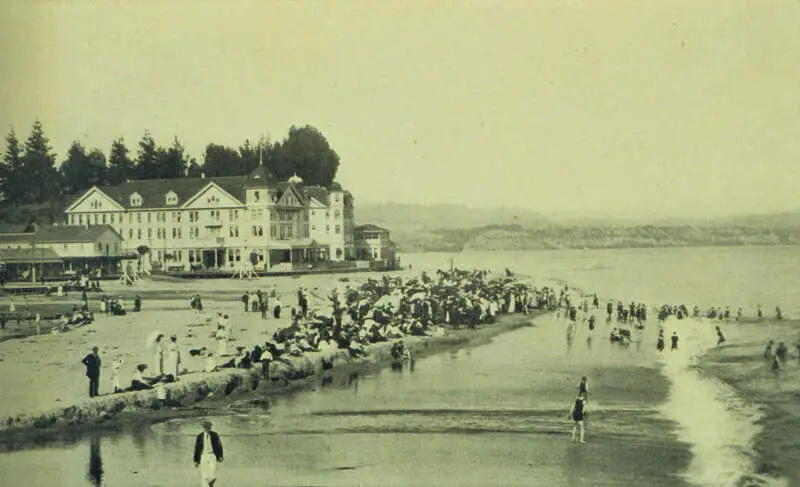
136 199
171 198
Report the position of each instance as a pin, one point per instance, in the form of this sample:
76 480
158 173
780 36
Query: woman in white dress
222 341
173 358
158 357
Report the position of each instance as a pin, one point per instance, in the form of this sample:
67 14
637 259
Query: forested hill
452 228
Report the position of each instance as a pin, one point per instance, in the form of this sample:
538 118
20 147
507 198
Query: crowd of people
391 308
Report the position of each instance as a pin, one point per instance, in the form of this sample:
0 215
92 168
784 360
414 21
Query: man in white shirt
207 453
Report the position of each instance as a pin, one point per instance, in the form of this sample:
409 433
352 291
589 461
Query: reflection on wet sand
95 475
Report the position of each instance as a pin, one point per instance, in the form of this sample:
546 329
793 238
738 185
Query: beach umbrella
389 299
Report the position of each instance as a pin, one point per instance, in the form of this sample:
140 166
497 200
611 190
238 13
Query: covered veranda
298 253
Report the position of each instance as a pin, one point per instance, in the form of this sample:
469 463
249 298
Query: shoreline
742 368
200 392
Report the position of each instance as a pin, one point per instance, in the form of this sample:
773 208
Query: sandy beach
44 373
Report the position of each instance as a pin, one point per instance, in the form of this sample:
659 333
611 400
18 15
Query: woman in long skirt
158 357
173 358
222 341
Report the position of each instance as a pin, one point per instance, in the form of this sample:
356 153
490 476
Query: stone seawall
197 387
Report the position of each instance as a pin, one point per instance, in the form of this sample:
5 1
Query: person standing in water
578 414
660 342
207 453
583 388
720 337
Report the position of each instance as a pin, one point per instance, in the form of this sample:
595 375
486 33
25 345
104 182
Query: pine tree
38 165
11 174
146 167
171 163
121 167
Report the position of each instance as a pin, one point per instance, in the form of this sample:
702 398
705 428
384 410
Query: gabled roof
318 193
259 178
284 187
154 191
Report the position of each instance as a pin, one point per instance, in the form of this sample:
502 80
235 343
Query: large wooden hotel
224 223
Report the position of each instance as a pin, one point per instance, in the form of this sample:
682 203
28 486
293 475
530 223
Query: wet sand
741 364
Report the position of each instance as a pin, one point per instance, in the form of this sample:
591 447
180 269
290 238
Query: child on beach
578 414
116 368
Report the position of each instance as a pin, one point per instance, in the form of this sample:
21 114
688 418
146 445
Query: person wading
578 414
207 453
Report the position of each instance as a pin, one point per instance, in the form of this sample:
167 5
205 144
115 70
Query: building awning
295 244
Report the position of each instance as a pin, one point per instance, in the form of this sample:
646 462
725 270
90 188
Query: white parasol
151 340
392 299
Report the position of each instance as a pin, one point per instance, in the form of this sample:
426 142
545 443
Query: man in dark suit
92 363
207 452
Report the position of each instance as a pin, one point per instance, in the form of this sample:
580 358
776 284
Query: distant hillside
452 228
514 237
399 217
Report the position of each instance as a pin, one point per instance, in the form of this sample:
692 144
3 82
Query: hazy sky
598 107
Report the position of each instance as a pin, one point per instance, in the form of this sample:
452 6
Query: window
139 234
130 218
104 218
273 230
99 246
149 233
138 218
80 219
149 218
130 234
112 218
233 231
336 214
257 195
136 199
176 233
313 212
338 229
328 228
171 198
180 253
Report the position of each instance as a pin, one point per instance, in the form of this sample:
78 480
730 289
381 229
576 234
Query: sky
597 108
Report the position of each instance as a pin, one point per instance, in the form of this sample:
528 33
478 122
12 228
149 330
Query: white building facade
224 223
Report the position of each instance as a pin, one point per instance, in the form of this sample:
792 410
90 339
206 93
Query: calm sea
490 415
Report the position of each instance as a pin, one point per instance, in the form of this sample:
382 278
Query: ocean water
494 414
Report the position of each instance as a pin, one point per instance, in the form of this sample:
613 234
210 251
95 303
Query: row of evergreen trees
29 174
